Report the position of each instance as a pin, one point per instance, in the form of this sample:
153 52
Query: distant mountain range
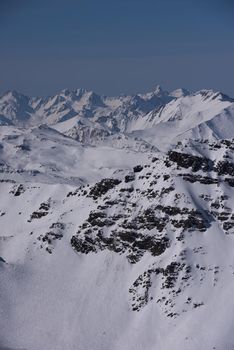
90 118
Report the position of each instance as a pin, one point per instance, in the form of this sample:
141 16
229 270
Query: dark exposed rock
137 168
166 177
73 193
83 246
206 180
185 160
42 211
215 205
167 278
18 191
129 178
99 218
159 246
102 187
24 147
44 206
225 168
38 215
127 189
171 210
230 181
49 236
154 159
145 220
120 242
111 202
127 236
195 220
228 226
58 225
206 198
102 207
171 273
7 181
167 190
133 258
195 305
223 216
167 163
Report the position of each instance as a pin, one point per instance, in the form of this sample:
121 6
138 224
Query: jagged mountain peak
214 95
87 97
13 94
75 93
181 92
15 107
159 91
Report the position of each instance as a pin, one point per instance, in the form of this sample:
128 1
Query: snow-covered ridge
87 117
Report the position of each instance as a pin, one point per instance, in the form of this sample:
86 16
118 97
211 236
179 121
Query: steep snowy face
68 104
180 93
84 130
102 263
14 108
189 110
193 116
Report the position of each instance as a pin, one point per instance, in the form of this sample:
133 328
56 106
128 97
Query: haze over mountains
117 221
88 117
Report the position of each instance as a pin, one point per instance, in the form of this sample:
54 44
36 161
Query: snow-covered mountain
69 103
117 221
89 118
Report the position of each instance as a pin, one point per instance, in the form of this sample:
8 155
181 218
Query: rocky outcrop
102 187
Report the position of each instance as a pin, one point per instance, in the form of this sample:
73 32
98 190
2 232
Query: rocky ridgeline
150 214
42 211
48 240
131 229
133 218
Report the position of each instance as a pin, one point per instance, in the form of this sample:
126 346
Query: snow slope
205 114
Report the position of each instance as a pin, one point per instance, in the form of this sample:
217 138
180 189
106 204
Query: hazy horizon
119 47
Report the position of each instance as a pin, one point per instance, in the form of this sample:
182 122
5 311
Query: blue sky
113 47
